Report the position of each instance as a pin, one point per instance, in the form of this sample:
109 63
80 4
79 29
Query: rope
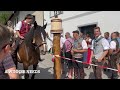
103 67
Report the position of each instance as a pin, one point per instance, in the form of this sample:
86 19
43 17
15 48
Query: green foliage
4 15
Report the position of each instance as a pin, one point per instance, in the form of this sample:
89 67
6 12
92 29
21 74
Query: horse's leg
34 68
26 68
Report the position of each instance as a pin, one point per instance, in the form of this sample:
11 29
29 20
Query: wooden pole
56 29
56 49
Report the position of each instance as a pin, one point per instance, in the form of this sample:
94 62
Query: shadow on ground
91 75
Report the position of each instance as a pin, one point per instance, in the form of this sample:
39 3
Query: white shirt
112 45
62 41
90 40
89 44
18 26
109 39
84 45
105 44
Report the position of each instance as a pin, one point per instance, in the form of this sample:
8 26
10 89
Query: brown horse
28 51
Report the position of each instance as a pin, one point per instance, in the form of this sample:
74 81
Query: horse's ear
45 26
35 24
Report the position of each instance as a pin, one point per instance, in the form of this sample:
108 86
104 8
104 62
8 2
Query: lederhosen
77 65
114 57
97 70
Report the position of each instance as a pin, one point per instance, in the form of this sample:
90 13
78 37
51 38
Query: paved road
46 70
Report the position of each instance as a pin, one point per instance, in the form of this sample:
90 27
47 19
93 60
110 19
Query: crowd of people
100 50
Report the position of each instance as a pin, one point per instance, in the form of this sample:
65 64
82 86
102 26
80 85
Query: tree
4 15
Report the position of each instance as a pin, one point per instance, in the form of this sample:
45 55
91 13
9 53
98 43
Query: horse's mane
34 30
29 36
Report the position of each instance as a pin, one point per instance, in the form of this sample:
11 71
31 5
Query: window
53 13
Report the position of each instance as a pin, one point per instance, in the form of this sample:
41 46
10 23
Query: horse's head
40 38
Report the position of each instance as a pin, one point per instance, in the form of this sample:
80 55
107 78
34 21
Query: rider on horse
21 29
24 26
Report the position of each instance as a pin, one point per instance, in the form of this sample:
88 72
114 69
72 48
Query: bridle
44 42
37 46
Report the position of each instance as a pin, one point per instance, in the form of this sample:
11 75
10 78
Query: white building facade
85 21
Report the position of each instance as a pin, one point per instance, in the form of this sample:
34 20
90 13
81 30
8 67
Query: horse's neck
29 37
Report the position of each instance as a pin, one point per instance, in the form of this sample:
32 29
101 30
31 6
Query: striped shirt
5 64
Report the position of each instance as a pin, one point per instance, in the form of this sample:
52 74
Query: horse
28 51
